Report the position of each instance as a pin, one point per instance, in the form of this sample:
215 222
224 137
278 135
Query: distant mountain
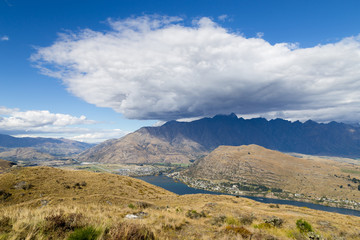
206 134
46 145
334 139
16 154
143 147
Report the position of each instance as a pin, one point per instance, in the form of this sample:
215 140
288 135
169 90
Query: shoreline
228 188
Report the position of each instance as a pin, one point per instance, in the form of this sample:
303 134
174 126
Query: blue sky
257 75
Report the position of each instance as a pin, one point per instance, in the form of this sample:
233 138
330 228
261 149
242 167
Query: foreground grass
47 209
166 222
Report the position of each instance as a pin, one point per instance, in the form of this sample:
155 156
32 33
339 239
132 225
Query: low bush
61 223
87 233
193 214
5 225
232 221
274 221
303 226
247 219
218 221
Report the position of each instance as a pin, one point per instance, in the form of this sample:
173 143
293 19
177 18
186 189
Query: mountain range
183 141
25 148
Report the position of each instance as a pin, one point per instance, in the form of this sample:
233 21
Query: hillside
52 146
254 168
16 154
142 147
183 141
5 165
48 203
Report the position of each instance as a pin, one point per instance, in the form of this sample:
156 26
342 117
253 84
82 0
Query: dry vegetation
48 203
5 165
314 177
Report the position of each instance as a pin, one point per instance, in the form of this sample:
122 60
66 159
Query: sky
93 70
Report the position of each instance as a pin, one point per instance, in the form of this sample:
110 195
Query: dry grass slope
316 177
5 165
47 203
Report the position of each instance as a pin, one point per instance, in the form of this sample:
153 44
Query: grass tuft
130 231
87 233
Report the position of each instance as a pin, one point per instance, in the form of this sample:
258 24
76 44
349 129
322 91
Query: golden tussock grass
49 210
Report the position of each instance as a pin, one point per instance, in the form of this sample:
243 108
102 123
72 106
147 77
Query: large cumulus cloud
154 67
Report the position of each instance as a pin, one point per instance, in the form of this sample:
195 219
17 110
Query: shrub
218 221
4 195
5 225
303 226
245 233
88 233
247 219
132 206
63 223
274 221
194 214
130 231
232 221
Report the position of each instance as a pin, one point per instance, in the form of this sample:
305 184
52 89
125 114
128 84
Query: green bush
303 226
230 220
132 206
88 233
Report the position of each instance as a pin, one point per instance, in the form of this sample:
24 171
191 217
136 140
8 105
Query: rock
139 215
132 216
44 202
314 236
23 185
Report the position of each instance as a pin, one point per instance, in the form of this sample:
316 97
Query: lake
181 189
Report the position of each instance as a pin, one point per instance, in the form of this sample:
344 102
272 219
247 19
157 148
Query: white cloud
5 38
223 17
100 135
36 123
154 67
13 119
259 34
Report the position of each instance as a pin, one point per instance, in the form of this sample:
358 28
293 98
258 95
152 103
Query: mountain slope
142 147
15 154
335 139
59 186
253 165
182 141
46 145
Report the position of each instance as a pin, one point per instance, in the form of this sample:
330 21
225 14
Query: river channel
181 189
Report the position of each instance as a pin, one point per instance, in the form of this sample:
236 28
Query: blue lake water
181 189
